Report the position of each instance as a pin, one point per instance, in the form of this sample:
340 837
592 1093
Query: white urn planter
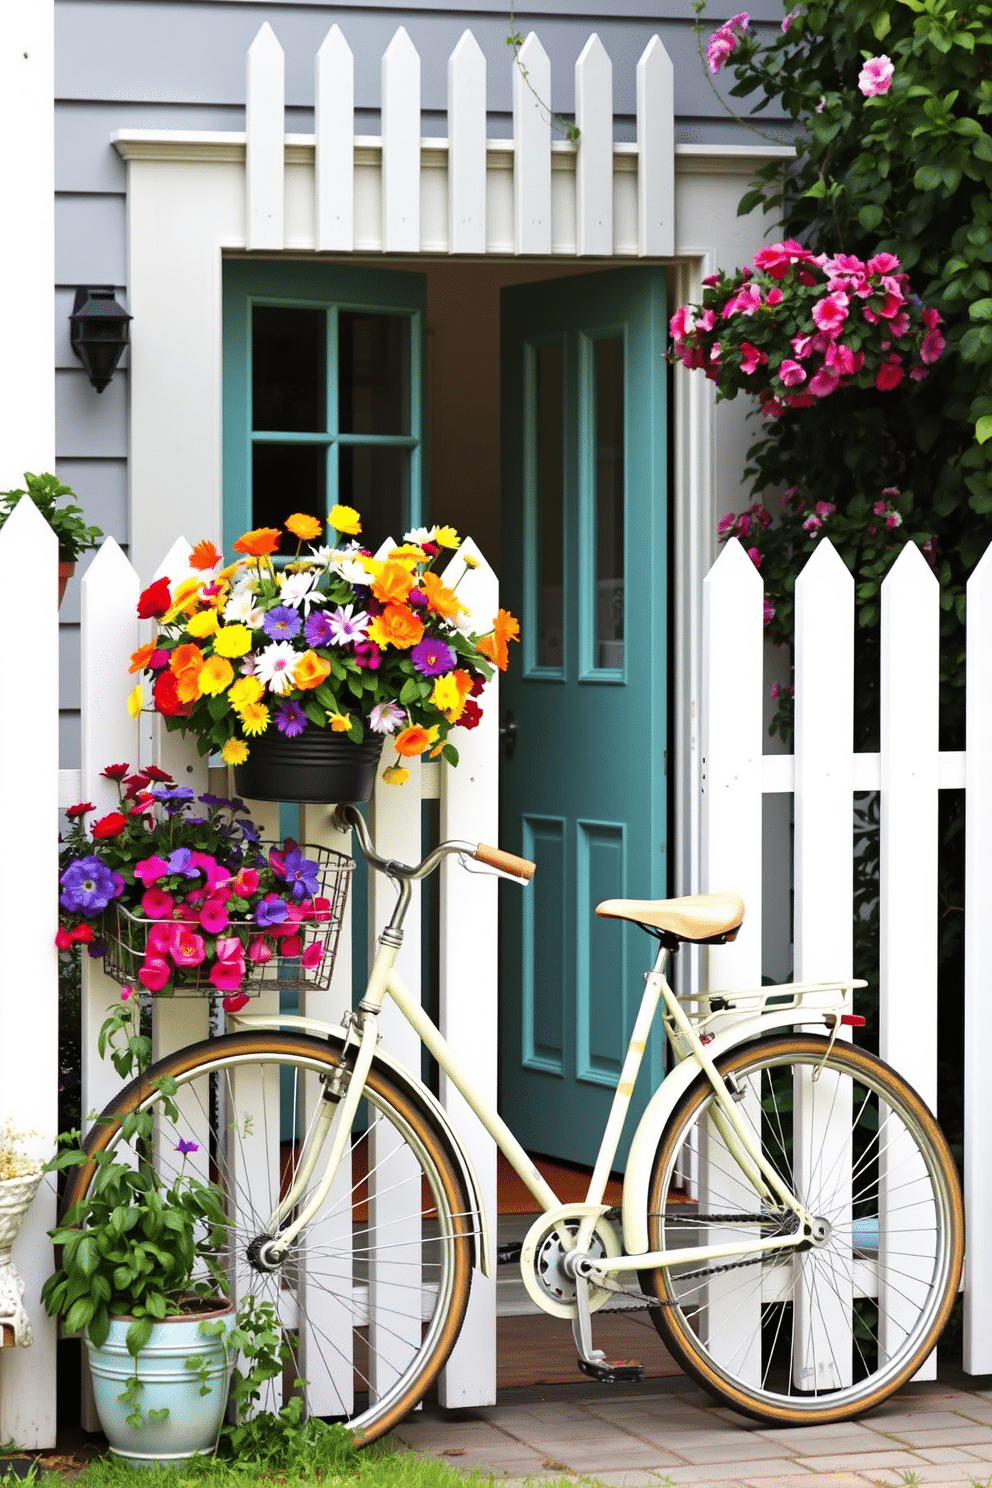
15 1197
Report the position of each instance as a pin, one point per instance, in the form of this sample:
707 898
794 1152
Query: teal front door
584 792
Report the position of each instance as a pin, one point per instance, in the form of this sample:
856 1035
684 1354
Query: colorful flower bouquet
335 640
178 894
794 327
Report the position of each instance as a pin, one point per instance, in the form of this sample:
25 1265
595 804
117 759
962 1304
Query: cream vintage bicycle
791 1212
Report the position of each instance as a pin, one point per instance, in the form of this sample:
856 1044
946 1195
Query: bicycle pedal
613 1371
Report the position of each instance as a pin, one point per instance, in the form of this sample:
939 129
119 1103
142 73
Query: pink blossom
214 917
824 382
776 689
802 346
889 375
825 508
156 904
154 973
931 317
843 360
880 508
768 612
149 870
751 358
744 525
883 263
745 302
893 520
788 495
932 347
812 524
186 948
773 407
228 972
725 525
754 556
774 297
900 324
830 313
787 22
313 955
891 491
875 77
777 259
235 1002
682 322
791 373
246 882
723 42
215 874
259 950
711 279
292 946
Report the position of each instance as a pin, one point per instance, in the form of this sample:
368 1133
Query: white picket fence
823 773
399 192
34 791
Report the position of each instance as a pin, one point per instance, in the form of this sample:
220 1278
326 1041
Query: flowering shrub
793 327
15 1160
210 906
336 640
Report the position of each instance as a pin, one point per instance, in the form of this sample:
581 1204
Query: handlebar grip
495 857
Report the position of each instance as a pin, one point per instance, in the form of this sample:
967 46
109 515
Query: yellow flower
395 775
204 624
234 752
135 700
447 696
340 722
436 750
373 566
254 718
232 640
446 537
246 690
184 601
345 519
303 526
216 675
408 553
469 561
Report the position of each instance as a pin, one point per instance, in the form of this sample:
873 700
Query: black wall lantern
98 333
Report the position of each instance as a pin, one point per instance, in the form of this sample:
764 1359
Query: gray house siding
162 64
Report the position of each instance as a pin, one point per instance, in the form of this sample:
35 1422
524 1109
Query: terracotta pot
66 571
318 766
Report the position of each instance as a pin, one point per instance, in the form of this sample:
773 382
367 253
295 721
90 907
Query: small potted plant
58 506
140 1274
179 895
20 1174
297 675
793 327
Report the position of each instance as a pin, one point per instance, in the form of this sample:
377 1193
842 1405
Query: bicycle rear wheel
824 1333
372 1294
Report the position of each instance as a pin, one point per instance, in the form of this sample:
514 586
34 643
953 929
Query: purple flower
302 873
183 1146
367 654
88 886
291 720
181 861
317 629
432 657
281 623
270 911
172 792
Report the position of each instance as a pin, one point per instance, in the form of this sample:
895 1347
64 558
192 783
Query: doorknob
508 733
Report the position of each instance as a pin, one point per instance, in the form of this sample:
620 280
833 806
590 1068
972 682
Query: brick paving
667 1431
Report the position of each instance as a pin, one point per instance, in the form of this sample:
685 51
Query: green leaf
450 753
161 1414
138 1335
928 178
79 1314
409 692
87 1255
980 310
315 713
870 216
983 429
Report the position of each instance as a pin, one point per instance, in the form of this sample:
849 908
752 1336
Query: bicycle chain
608 1285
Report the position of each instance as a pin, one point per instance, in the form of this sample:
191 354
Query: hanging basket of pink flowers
794 327
181 898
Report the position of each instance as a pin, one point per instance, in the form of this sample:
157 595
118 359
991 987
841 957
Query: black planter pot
319 767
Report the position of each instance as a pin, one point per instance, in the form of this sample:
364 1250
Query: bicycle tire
827 1333
358 1291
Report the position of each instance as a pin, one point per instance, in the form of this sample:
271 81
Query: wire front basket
126 937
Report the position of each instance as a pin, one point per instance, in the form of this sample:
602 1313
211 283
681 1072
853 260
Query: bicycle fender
656 1115
418 1094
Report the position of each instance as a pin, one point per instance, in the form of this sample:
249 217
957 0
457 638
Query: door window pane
550 487
288 369
609 502
288 478
373 373
375 479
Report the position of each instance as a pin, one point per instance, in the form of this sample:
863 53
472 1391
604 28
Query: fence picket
532 149
401 146
655 152
334 163
468 935
978 971
467 147
594 160
29 767
265 126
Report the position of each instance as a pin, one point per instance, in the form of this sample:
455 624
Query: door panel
584 565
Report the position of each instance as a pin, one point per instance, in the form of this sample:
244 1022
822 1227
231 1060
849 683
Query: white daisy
420 535
386 718
347 627
275 666
297 589
242 609
351 570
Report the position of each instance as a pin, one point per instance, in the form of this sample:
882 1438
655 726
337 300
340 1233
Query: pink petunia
246 882
156 904
768 615
791 373
889 375
214 917
150 870
933 347
755 556
824 382
235 1001
292 946
751 358
187 948
830 313
208 864
875 77
777 259
812 524
313 955
154 973
825 508
259 950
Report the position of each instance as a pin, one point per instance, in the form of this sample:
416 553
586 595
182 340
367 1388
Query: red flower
154 600
80 809
470 715
166 697
115 772
109 826
161 776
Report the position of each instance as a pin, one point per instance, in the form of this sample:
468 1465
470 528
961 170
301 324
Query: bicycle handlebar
347 816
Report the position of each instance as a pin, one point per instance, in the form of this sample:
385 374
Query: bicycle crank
548 1280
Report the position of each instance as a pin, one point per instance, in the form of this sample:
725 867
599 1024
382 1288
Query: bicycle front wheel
824 1332
371 1295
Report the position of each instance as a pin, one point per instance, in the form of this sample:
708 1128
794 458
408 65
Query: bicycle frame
824 1002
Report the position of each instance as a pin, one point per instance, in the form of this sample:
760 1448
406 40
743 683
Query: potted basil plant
57 504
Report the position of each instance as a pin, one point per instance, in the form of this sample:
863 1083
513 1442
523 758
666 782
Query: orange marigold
505 629
258 542
397 626
186 658
393 583
141 657
310 671
440 599
415 739
205 556
303 526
